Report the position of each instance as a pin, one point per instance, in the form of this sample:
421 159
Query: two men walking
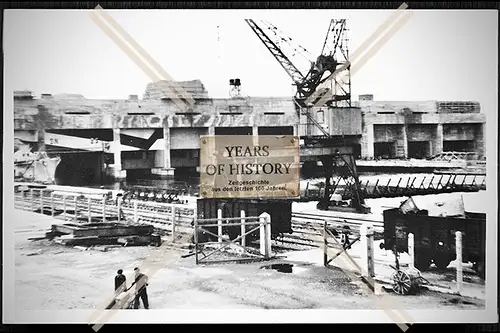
140 282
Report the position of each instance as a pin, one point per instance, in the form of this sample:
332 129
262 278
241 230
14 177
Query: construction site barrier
247 224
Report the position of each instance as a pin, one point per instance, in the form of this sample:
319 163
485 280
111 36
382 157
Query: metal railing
171 219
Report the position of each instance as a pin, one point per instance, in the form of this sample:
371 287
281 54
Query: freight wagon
280 211
434 237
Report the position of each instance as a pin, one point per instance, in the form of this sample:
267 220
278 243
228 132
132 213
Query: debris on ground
101 234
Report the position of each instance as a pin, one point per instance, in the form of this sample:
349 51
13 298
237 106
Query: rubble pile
92 234
165 89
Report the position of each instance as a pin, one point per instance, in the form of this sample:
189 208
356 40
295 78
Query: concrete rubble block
168 89
102 229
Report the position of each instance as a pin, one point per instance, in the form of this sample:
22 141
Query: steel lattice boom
334 54
272 45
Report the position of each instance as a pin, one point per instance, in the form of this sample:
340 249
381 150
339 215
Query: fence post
119 208
370 250
458 246
268 235
52 203
243 231
219 226
104 209
89 209
265 236
64 206
41 201
325 245
366 240
32 200
76 208
196 239
173 223
135 212
411 249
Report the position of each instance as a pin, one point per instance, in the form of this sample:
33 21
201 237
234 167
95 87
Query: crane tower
315 84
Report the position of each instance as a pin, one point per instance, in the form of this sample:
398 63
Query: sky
436 55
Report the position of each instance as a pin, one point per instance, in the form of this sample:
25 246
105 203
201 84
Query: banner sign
246 166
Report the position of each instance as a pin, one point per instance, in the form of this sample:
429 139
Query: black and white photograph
284 165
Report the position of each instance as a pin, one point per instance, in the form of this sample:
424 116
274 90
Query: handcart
407 281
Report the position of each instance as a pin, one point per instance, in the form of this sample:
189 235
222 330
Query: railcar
434 237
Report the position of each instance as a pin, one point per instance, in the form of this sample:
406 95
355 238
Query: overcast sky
436 55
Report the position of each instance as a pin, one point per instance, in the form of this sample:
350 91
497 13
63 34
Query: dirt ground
52 276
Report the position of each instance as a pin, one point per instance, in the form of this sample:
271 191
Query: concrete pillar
41 128
438 141
41 139
255 130
118 173
367 142
211 131
166 155
167 169
404 135
479 145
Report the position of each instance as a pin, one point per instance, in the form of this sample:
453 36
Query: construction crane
334 56
310 80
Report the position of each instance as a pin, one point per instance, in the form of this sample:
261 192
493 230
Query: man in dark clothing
120 282
141 282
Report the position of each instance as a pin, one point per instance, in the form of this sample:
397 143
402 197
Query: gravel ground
52 276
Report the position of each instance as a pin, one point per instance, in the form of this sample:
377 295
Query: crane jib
333 55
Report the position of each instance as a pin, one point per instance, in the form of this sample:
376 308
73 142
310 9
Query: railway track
308 232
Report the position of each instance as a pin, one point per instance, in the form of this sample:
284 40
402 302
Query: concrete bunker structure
135 137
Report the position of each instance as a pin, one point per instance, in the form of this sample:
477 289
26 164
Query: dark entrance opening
233 131
385 150
458 146
136 174
278 130
418 149
185 173
80 169
356 150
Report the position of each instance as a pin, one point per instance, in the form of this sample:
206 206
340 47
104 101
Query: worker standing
141 282
120 282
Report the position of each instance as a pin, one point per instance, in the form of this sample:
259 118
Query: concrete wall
480 146
420 132
83 113
185 158
335 121
391 134
375 121
186 138
432 122
459 132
